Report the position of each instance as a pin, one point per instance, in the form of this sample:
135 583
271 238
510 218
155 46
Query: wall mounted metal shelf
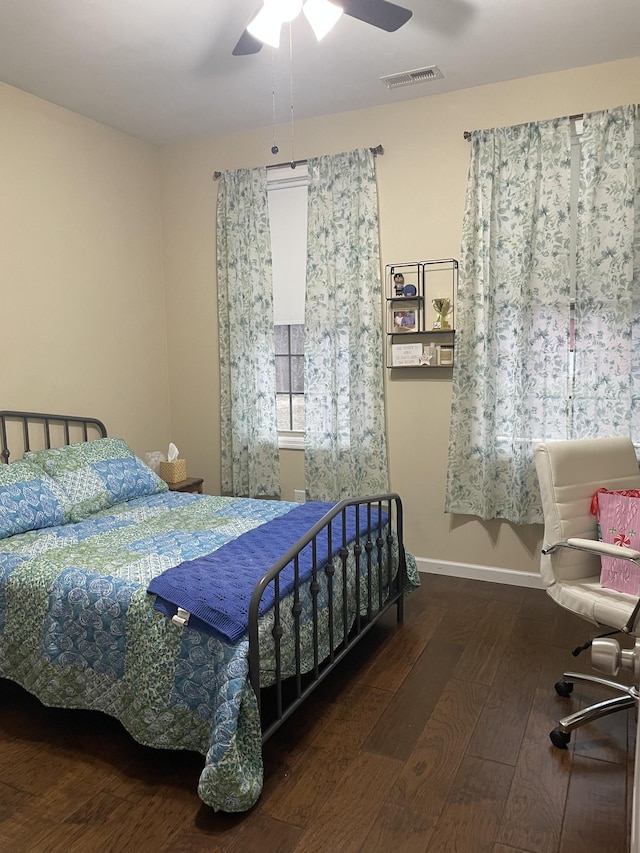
420 313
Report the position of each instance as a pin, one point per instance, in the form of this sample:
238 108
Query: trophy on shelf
443 309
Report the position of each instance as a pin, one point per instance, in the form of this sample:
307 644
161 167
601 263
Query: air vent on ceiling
409 78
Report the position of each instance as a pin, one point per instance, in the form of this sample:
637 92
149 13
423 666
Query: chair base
561 735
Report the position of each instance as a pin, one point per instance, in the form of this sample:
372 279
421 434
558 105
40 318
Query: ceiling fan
266 24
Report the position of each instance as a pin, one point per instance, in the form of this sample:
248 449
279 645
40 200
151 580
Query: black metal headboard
36 431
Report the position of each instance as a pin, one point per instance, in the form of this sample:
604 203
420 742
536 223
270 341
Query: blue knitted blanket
216 588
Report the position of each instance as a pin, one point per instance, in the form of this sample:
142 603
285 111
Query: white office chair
569 472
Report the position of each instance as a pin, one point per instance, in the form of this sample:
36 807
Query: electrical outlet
299 496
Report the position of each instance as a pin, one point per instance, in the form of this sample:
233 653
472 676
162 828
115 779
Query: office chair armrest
603 548
594 546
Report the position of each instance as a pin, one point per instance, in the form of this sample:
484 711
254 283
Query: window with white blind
287 193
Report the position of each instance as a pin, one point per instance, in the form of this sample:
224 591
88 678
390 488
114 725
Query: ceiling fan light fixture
266 28
322 15
267 24
283 10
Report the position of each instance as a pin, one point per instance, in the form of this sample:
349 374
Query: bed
200 622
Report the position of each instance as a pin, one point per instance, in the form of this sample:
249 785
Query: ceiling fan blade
380 13
247 44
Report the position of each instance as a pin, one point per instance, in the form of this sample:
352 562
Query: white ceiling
162 70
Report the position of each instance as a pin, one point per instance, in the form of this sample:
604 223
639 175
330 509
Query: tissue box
173 472
619 519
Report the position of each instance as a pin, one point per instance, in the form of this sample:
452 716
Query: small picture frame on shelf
405 321
445 357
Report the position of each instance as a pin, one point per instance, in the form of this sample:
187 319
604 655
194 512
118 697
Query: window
290 377
287 189
556 360
576 157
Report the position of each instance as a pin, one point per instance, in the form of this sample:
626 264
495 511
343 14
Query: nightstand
191 484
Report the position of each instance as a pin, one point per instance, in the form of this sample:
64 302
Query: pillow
29 499
97 474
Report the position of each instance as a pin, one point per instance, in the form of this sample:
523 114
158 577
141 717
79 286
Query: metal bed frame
378 591
38 430
372 554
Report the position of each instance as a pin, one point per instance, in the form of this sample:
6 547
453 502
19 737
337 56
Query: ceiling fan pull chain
293 159
274 147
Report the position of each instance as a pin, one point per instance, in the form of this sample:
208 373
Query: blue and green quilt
78 627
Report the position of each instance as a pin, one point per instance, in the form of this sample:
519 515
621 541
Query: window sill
291 440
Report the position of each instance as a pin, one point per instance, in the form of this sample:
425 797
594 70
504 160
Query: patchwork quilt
78 627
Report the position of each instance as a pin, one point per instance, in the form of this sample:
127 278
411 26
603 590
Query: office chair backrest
569 472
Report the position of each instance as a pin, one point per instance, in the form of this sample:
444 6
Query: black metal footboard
328 612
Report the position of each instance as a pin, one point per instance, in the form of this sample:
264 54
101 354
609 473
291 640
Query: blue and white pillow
30 499
98 474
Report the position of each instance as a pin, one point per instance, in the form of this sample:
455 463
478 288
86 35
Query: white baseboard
479 573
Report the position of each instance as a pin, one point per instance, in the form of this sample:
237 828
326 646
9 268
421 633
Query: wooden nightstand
191 484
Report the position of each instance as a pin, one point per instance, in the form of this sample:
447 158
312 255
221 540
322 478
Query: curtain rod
293 163
467 133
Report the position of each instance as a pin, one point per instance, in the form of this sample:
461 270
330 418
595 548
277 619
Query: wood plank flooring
433 736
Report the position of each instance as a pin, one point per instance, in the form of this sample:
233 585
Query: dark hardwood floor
433 737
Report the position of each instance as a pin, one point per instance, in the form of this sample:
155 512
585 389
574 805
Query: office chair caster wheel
564 688
559 739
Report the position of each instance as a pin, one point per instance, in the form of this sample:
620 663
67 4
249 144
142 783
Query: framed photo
405 321
446 357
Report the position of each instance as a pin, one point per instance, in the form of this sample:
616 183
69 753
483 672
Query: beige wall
81 289
421 180
108 289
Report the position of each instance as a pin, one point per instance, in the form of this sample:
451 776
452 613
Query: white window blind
287 192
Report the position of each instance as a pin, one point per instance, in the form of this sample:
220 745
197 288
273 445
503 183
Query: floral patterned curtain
345 438
607 373
512 338
249 455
